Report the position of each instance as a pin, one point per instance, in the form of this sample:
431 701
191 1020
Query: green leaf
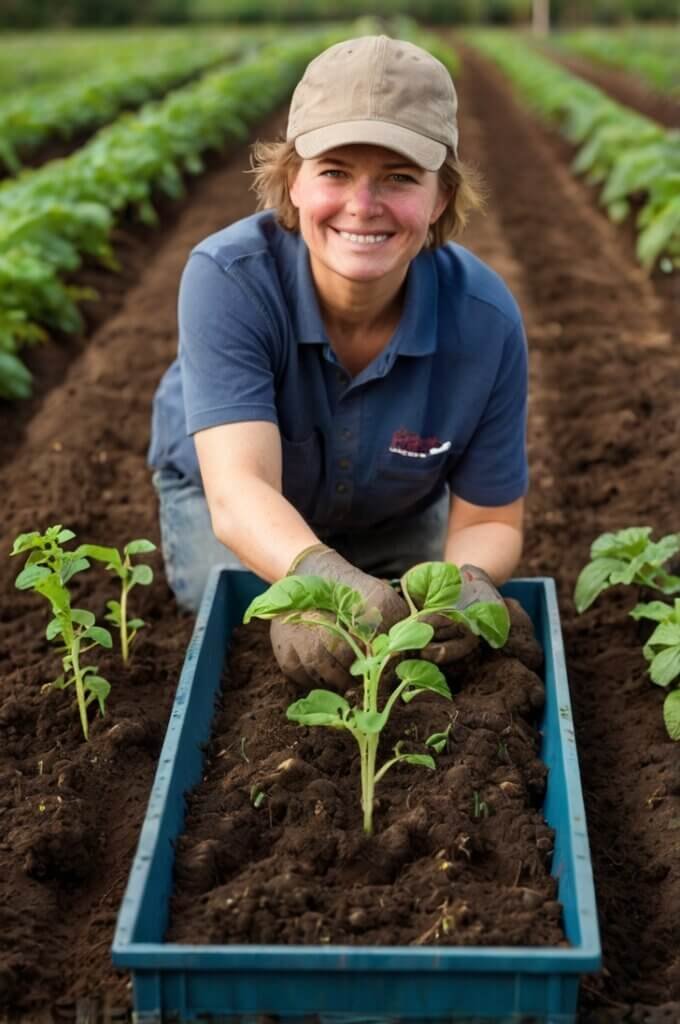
292 593
82 617
658 611
438 740
73 566
110 556
593 579
666 634
142 574
319 707
65 535
408 635
31 576
424 675
433 585
139 547
423 760
25 541
369 722
100 636
666 666
99 689
671 714
54 629
489 620
136 623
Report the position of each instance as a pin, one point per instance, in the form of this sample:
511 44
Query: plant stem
123 623
80 690
368 780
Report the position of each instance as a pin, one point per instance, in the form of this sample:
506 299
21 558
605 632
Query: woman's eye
332 172
402 178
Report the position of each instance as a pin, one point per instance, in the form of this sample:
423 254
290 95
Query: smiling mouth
361 238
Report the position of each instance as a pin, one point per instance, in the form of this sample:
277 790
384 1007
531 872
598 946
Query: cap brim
424 152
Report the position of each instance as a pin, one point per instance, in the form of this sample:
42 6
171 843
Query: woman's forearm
494 547
261 527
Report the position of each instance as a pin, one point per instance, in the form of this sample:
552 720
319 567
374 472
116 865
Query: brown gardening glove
307 654
453 640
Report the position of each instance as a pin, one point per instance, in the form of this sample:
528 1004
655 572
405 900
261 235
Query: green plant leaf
671 714
25 541
82 616
139 547
489 620
73 566
433 585
99 689
319 707
658 611
665 666
666 634
100 636
438 740
31 576
110 556
424 675
292 593
408 635
65 535
593 579
54 629
423 760
142 574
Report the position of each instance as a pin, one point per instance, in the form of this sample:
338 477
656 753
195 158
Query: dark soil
604 437
460 856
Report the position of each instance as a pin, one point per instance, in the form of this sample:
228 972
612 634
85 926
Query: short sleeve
493 469
226 346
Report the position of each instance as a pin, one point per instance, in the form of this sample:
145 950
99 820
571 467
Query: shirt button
341 488
344 464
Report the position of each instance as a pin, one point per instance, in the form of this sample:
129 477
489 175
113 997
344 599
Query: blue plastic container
350 984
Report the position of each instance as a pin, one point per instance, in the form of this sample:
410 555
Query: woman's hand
312 654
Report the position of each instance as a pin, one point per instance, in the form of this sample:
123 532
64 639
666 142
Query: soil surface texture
459 856
604 436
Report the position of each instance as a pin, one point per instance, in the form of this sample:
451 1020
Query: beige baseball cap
376 90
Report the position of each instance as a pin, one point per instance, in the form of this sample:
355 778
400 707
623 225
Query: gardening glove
309 655
453 640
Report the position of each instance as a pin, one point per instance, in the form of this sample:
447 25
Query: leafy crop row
52 216
635 160
28 118
651 53
36 58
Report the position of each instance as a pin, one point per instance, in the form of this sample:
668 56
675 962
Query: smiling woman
319 333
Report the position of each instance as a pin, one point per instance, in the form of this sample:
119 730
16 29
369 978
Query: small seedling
427 588
47 571
257 795
130 576
480 808
243 750
629 556
439 741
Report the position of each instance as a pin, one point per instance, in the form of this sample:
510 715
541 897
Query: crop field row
651 53
634 161
31 117
603 435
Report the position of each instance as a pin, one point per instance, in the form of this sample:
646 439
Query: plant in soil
47 571
631 557
130 576
428 588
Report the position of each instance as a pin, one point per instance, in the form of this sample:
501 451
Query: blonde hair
275 164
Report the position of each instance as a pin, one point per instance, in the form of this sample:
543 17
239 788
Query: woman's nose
365 198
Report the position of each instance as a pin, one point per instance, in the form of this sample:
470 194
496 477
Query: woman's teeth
363 239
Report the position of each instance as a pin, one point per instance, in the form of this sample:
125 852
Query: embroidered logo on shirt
404 442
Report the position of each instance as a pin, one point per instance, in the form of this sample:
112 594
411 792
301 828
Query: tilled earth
604 437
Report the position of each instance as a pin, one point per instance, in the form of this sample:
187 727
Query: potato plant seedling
631 557
48 569
431 587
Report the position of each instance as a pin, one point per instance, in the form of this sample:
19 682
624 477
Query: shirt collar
416 333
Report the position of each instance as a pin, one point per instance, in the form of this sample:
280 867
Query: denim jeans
191 549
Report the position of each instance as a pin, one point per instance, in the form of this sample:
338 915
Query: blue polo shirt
444 403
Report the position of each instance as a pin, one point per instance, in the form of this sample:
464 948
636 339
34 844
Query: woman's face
365 211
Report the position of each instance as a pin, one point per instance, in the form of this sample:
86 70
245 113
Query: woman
350 392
